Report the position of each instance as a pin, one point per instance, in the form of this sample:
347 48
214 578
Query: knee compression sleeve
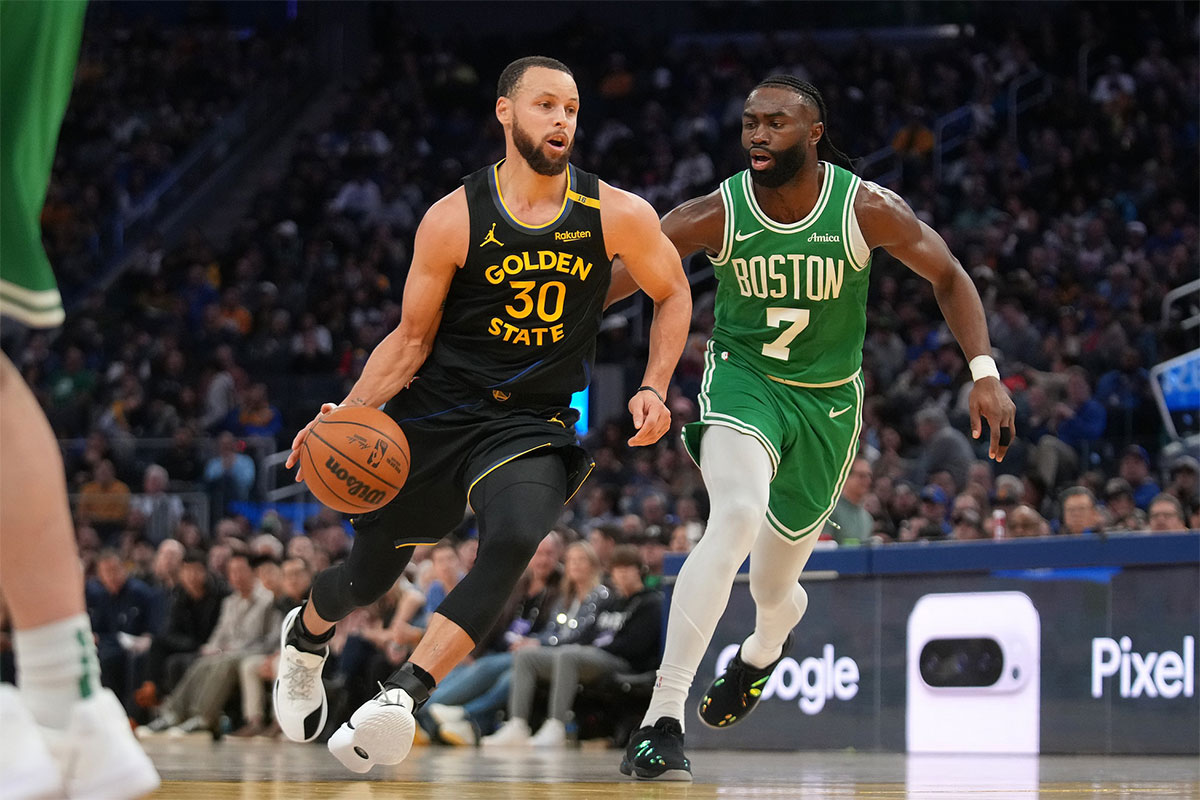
517 504
368 572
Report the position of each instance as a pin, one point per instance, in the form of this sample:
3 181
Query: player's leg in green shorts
820 441
39 565
811 434
738 445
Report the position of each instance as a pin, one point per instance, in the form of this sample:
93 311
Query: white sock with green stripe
56 666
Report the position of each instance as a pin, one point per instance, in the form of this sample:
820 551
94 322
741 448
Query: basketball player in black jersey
500 316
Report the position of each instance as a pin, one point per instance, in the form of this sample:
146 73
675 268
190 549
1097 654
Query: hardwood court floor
197 769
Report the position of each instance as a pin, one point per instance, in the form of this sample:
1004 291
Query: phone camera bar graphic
974 674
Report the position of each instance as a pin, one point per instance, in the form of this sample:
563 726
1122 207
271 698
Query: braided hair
825 148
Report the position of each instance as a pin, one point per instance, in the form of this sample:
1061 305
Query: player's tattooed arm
888 222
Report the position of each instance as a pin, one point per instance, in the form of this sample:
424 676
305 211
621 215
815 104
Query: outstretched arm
439 248
888 222
632 233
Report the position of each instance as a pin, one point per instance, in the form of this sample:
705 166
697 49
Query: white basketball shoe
513 733
27 770
301 707
95 758
381 731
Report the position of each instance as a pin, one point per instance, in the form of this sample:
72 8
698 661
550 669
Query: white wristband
983 367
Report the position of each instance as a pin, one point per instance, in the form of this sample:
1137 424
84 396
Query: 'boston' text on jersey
814 277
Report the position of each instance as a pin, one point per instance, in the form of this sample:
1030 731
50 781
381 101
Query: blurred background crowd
1055 152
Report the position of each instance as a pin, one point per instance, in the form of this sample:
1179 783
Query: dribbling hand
294 457
650 416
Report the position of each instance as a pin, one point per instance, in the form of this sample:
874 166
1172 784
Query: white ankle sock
670 695
56 666
757 654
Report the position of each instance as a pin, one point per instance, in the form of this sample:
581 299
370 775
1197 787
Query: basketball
355 459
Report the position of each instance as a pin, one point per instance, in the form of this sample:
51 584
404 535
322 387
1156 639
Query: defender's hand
989 400
294 458
650 416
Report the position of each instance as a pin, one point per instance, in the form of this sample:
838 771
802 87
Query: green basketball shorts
39 43
810 434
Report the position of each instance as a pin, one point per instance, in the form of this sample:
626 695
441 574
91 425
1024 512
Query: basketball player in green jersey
781 401
61 734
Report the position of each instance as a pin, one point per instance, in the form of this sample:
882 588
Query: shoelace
299 680
382 698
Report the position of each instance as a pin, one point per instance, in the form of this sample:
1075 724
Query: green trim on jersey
791 297
39 45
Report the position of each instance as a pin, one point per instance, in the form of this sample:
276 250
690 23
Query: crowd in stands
144 94
1073 231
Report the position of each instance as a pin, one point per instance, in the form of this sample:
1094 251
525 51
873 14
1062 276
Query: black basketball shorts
457 437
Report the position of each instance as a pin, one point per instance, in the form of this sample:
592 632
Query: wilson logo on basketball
355 487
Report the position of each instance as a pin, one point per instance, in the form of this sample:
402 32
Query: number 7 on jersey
775 318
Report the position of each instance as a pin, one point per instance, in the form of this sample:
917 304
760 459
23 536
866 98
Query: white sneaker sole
382 736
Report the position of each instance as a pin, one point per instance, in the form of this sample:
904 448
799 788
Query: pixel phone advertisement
1035 661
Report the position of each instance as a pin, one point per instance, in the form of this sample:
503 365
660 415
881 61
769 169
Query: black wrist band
651 389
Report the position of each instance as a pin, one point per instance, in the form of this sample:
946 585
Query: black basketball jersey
522 314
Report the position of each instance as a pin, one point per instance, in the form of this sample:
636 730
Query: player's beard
534 155
788 164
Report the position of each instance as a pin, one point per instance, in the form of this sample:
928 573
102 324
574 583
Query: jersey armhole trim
857 251
590 202
722 258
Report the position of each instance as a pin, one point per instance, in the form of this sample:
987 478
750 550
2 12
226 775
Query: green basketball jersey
39 44
792 298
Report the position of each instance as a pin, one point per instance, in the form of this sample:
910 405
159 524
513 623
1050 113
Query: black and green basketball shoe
655 753
734 695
